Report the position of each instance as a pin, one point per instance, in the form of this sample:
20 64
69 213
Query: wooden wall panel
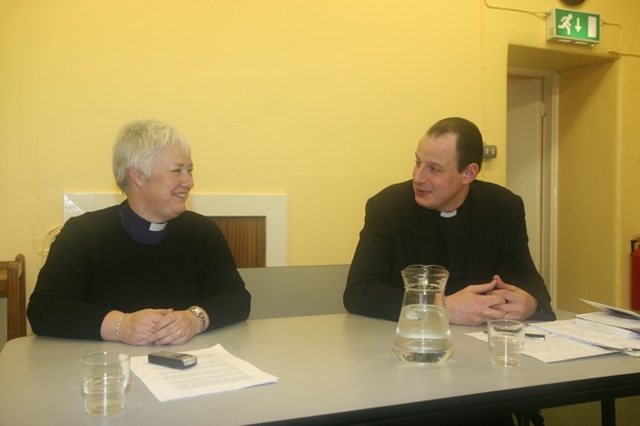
247 239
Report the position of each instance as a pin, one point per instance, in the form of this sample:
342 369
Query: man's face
437 183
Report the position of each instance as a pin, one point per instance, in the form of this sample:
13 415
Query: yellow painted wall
587 186
627 161
322 100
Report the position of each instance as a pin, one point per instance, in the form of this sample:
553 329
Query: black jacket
398 233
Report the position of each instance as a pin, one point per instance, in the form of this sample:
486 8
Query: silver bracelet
118 328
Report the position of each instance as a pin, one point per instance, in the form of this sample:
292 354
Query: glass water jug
423 335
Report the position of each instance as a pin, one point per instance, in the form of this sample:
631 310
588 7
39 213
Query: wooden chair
12 286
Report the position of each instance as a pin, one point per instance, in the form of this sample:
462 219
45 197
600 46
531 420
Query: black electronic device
173 359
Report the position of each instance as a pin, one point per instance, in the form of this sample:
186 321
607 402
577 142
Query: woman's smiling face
163 196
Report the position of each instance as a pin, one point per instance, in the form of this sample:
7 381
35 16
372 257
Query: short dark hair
469 146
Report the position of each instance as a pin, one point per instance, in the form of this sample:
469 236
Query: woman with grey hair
146 271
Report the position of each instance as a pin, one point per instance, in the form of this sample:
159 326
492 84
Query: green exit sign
571 26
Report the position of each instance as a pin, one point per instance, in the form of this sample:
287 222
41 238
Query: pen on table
534 336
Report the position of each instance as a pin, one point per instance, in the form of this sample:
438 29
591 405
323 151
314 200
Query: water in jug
423 335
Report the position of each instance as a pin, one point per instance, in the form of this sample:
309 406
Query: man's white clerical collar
157 226
450 214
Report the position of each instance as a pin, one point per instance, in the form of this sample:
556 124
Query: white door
524 153
531 164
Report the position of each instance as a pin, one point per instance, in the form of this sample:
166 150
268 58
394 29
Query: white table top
326 365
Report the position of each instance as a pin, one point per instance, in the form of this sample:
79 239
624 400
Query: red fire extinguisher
635 273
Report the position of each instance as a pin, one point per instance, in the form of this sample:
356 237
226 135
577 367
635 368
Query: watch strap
199 313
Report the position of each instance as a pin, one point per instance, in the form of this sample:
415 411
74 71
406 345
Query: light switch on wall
490 151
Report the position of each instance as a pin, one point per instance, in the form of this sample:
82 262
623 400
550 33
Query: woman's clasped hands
150 327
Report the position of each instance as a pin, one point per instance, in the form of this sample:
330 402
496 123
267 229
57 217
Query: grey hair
138 145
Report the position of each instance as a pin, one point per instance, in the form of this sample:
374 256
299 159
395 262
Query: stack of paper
612 320
598 333
570 330
609 323
613 310
554 348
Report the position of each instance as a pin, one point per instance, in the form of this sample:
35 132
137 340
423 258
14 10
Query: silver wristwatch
199 313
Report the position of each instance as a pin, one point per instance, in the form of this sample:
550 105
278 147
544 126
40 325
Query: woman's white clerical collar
450 214
157 226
